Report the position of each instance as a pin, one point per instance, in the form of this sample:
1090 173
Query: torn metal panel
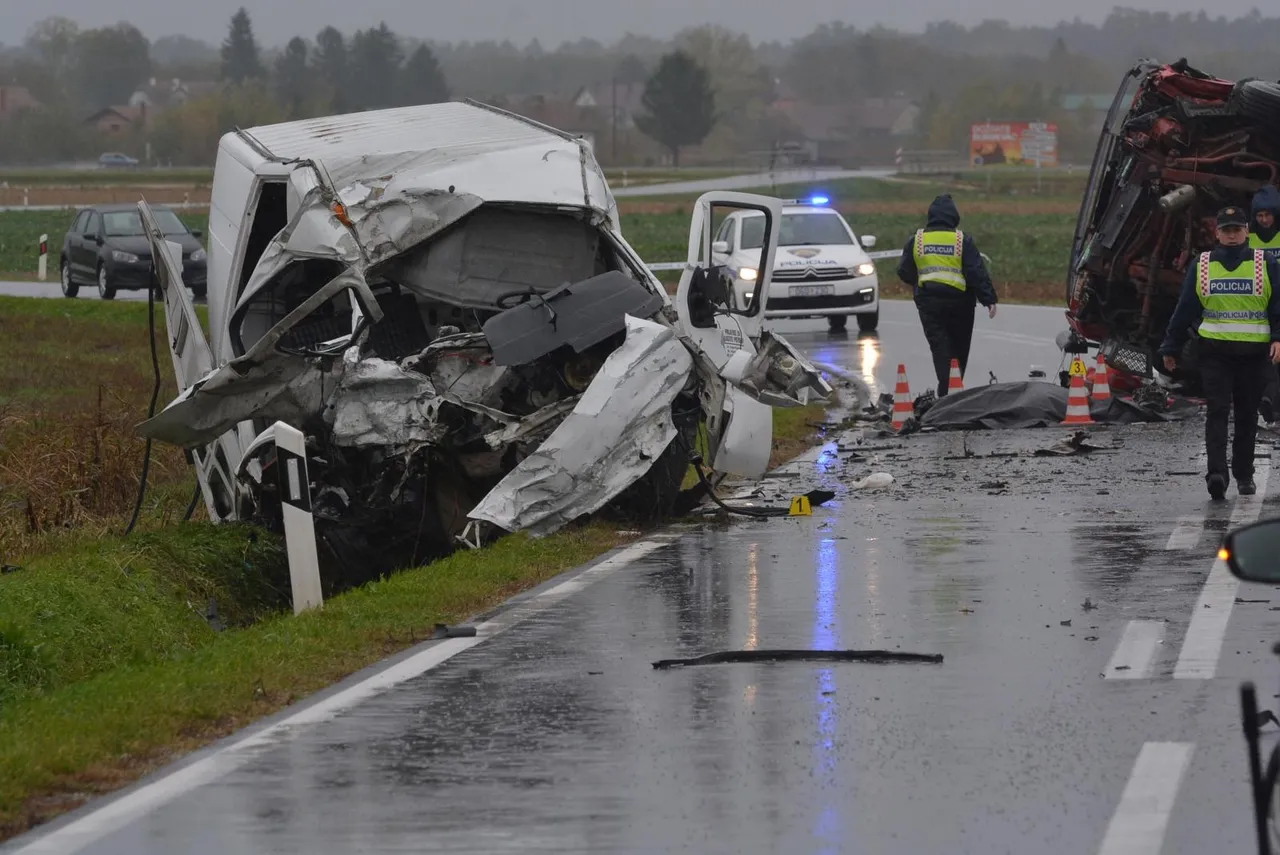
578 315
378 403
264 383
621 425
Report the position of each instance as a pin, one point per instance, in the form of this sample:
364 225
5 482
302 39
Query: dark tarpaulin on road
1028 404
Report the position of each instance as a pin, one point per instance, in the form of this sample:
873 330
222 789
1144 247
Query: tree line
706 85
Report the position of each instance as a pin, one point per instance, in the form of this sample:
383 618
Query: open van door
761 368
192 362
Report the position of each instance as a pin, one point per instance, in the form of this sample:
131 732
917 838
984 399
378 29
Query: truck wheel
1258 100
837 323
869 322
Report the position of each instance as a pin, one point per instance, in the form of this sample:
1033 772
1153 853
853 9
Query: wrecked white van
440 298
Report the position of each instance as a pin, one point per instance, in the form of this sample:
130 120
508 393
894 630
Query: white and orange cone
1078 403
902 406
957 382
1101 381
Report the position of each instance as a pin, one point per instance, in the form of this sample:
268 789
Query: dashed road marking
1135 655
1187 533
1202 646
1141 819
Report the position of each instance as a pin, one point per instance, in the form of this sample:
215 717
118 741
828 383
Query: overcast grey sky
554 21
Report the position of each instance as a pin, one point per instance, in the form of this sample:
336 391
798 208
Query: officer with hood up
1265 233
1234 293
944 268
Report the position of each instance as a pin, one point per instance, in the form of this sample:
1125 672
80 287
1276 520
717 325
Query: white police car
821 269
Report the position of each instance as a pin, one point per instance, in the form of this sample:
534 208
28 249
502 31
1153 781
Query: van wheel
105 290
69 288
869 322
837 323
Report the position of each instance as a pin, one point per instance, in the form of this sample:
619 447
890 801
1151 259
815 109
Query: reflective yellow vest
1235 301
939 257
1271 246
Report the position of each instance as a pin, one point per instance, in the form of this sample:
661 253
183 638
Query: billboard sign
1013 144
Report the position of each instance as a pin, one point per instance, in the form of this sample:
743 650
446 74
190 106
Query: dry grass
75 379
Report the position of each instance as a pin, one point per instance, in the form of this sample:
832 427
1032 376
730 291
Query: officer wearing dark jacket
1234 292
1265 233
946 271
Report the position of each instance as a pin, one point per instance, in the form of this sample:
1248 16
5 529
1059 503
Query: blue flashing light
819 200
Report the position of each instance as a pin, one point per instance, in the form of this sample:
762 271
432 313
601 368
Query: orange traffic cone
902 407
1078 403
956 384
1101 381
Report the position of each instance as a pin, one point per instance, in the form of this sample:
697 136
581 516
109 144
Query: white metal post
42 269
299 524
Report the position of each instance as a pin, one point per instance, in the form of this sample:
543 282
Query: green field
1026 233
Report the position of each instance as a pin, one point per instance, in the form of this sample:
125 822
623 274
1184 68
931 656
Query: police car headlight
865 269
747 274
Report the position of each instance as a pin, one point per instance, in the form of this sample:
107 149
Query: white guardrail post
299 524
42 266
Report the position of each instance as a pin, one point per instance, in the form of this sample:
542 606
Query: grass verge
112 660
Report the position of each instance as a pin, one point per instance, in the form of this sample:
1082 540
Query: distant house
15 99
607 100
160 95
560 113
859 131
1089 109
111 121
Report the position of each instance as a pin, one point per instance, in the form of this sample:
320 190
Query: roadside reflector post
299 524
26 196
42 269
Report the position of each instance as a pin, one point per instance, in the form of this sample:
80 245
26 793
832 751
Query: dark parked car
116 159
106 245
1177 145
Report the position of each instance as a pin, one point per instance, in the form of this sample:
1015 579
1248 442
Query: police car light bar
812 200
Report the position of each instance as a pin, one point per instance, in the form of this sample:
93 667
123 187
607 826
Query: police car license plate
812 290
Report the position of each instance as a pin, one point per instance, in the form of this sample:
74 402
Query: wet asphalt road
1086 702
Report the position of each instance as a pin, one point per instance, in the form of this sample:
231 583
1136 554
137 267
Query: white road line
1135 655
1187 533
96 824
1202 646
1138 826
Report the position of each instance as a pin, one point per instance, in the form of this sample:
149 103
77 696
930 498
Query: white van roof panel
477 149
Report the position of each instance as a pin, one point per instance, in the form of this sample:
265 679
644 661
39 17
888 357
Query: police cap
1232 216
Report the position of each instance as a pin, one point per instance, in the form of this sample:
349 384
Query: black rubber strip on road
874 657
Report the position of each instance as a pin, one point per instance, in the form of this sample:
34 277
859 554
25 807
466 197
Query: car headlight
123 257
198 255
865 269
749 295
747 274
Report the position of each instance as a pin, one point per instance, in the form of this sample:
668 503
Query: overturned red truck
1177 145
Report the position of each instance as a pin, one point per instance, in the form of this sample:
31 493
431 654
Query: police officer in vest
1234 291
1264 233
944 268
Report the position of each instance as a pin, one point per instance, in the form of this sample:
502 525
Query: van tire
869 322
838 323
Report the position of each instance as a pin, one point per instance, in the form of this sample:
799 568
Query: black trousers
1234 379
947 320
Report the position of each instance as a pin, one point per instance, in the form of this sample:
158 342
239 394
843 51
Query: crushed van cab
441 300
